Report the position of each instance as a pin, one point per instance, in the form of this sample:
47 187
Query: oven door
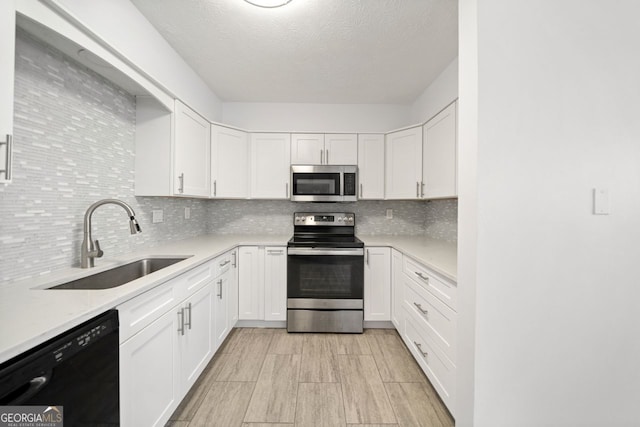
325 274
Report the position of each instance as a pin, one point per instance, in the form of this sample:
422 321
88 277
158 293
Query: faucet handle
97 251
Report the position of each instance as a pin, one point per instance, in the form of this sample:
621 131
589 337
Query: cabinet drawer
222 264
444 289
438 368
142 310
432 315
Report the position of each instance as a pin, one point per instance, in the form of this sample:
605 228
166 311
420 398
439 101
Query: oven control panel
324 218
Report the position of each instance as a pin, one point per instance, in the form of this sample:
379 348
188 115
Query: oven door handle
326 251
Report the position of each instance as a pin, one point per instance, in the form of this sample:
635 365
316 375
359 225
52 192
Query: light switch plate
601 201
187 213
158 216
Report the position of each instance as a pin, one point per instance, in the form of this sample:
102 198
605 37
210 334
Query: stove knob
303 219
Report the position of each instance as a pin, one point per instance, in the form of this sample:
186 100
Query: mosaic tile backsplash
74 145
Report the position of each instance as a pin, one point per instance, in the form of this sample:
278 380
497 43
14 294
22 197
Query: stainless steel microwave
326 183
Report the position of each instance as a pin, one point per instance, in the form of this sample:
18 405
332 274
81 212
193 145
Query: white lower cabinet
149 373
275 283
428 323
396 290
262 283
250 284
225 297
377 284
168 336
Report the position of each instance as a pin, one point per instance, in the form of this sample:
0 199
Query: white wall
557 295
125 29
315 117
438 95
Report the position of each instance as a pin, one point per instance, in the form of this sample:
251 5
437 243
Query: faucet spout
91 248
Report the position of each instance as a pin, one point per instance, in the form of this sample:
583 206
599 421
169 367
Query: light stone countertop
30 314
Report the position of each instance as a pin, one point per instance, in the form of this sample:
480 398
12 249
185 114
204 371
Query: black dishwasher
77 370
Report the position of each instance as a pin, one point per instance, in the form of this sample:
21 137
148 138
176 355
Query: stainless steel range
325 274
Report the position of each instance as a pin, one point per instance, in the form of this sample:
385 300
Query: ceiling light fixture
268 4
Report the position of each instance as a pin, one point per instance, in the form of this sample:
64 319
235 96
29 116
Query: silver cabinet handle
275 251
181 321
181 187
321 156
360 190
188 308
327 155
286 189
367 256
235 260
422 276
424 354
417 189
222 264
219 289
422 189
7 159
215 187
423 311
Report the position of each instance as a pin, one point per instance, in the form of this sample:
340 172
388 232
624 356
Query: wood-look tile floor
270 378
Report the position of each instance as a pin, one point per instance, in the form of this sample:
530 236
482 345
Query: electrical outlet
158 216
389 213
187 213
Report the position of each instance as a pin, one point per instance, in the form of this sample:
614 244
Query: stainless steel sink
118 276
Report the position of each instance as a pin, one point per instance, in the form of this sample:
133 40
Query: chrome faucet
90 248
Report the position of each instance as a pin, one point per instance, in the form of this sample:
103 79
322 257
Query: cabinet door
232 291
371 166
7 53
275 283
250 284
192 153
397 286
270 165
341 149
220 309
229 163
404 164
196 344
377 284
149 378
439 160
307 149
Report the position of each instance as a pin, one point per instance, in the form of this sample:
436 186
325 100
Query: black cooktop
332 241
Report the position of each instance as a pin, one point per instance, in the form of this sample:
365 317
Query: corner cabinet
229 163
371 166
7 53
270 165
173 151
403 173
440 155
377 284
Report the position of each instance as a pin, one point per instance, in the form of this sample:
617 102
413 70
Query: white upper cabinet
341 149
192 150
7 53
324 149
371 166
439 158
229 163
270 165
403 170
307 149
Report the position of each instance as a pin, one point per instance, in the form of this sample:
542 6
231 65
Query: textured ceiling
311 51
